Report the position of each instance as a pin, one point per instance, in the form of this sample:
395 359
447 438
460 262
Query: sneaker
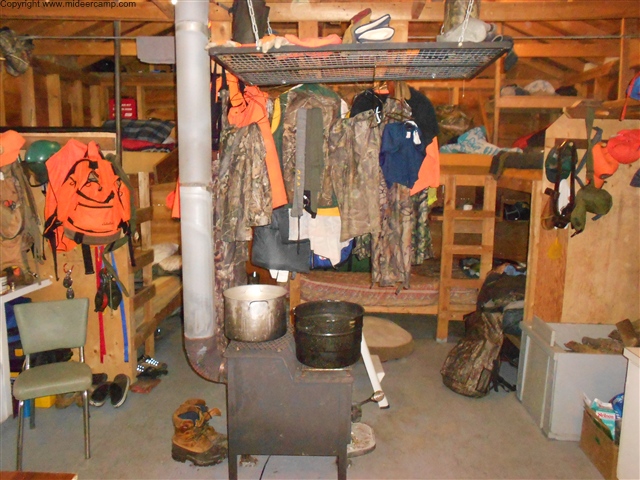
118 389
146 360
99 396
150 372
99 378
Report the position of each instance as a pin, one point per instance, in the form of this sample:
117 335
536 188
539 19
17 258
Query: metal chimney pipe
196 203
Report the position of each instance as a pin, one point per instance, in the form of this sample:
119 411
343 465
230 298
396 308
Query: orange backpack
88 201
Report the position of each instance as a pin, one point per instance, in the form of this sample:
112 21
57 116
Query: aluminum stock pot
255 313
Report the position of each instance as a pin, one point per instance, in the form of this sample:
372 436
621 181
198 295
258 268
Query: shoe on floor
99 395
118 389
147 361
148 371
63 400
98 379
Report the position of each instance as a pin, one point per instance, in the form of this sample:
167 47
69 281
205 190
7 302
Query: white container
552 379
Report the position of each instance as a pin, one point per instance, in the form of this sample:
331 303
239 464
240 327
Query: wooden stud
401 34
54 100
497 86
627 27
28 97
95 105
220 32
140 102
3 112
307 29
75 101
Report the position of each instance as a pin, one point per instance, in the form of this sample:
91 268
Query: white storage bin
552 380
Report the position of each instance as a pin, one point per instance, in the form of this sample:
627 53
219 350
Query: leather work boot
194 439
200 404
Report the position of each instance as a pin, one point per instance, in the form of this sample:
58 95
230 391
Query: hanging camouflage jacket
391 247
354 146
307 96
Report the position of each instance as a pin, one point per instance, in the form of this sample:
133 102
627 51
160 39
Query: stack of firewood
626 334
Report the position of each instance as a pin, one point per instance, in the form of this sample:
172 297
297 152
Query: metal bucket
328 333
255 313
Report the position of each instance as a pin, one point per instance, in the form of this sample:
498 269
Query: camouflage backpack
471 366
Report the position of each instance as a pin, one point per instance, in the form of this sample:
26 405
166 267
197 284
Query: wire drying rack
353 63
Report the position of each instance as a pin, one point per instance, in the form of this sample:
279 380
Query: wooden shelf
539 102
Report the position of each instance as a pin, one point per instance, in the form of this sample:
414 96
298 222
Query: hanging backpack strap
49 233
591 142
103 344
111 268
87 260
589 153
123 315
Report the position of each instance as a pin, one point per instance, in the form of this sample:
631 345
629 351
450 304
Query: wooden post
402 31
3 112
95 104
28 96
307 29
628 26
77 107
496 95
140 102
54 100
220 32
455 11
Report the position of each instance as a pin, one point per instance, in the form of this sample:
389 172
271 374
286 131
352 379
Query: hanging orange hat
10 144
624 146
604 165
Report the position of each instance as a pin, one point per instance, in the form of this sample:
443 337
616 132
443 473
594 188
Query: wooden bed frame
455 167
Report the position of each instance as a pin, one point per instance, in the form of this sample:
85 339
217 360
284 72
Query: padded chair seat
52 379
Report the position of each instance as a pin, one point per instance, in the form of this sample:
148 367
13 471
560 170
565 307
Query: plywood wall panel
593 277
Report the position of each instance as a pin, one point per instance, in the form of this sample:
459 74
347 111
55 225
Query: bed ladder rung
484 251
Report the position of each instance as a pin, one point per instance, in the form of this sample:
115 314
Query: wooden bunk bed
444 293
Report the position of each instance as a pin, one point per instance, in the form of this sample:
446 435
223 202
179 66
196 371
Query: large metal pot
255 313
328 333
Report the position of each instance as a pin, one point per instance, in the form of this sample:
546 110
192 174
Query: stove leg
233 465
343 462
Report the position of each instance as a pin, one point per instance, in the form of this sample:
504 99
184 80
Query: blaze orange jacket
251 107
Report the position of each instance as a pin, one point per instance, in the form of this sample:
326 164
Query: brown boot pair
194 439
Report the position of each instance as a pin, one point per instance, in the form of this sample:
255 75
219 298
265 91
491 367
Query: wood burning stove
278 406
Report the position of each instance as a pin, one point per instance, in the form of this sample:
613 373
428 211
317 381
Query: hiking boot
194 439
198 406
63 400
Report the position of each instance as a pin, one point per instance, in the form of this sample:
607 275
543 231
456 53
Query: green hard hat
38 153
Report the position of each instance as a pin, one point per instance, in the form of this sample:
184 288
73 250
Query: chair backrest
51 325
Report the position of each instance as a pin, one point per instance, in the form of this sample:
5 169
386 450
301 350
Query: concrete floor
429 432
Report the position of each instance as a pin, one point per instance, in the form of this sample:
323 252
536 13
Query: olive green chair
47 326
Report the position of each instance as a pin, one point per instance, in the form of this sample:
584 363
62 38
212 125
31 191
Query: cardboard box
128 107
596 443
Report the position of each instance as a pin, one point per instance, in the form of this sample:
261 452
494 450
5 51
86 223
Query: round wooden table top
386 339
